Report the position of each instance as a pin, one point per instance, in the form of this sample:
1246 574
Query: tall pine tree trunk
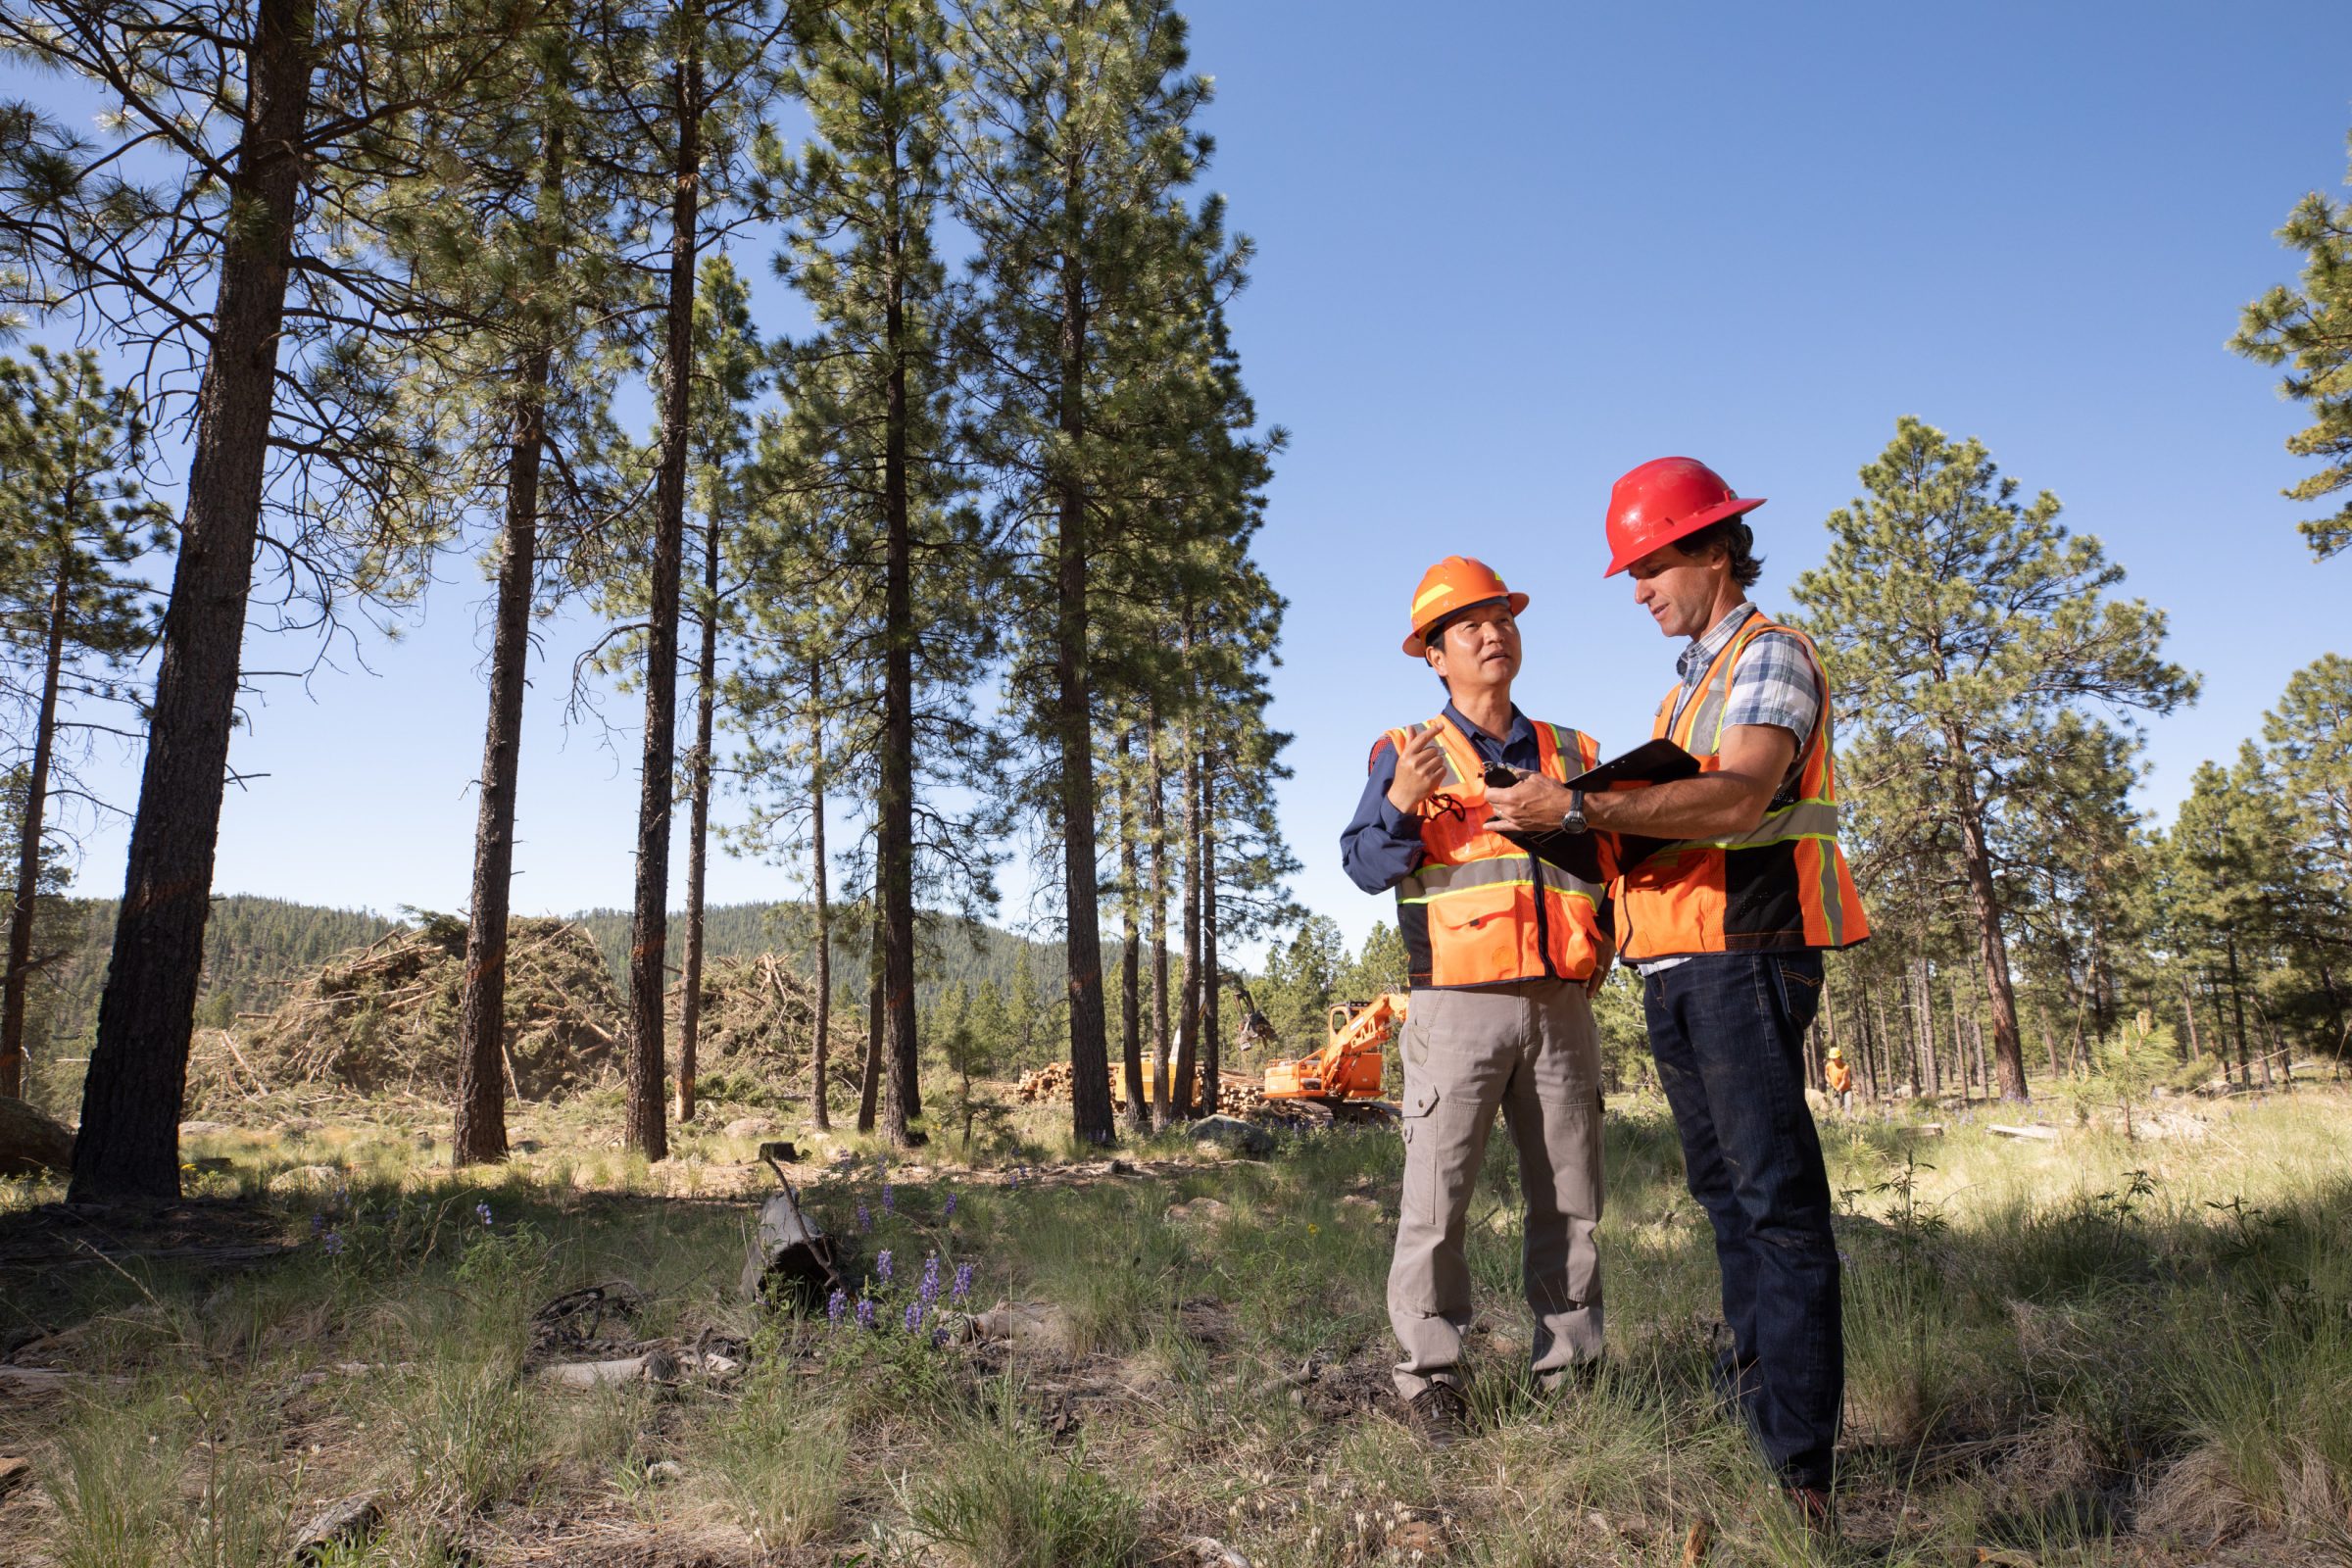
480 1135
870 1083
822 1114
1212 1054
698 829
2189 1016
1155 822
648 926
18 974
1992 946
895 829
1131 1047
128 1145
1184 1100
1074 726
2237 1006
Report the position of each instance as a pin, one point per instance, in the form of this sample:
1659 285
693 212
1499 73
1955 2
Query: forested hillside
249 944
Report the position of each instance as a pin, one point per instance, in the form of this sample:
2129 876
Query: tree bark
480 1135
1156 821
822 1117
128 1144
2189 1016
649 930
698 828
1075 724
1131 1050
18 974
1213 1053
1993 946
1183 1097
895 829
870 1083
2237 1006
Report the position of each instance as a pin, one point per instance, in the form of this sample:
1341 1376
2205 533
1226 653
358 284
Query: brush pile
760 1016
385 1017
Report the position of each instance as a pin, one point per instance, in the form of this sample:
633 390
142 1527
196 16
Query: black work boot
1438 1415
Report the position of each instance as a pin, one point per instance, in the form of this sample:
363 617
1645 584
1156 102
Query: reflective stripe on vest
1784 883
1479 909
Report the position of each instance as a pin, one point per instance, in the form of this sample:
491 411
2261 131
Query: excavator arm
1348 1066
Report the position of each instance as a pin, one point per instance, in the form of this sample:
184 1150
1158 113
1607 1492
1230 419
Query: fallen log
789 1261
2045 1135
30 1143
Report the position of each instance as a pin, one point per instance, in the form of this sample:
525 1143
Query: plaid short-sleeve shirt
1775 682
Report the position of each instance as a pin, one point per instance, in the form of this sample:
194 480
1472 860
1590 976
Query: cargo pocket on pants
1423 1198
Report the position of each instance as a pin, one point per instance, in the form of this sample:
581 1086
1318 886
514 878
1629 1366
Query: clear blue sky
1506 252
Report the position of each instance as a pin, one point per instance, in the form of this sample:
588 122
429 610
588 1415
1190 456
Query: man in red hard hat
1727 924
1503 946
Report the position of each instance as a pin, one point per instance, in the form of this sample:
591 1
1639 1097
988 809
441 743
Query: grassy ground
2094 1349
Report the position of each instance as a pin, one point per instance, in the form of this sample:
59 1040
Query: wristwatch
1573 822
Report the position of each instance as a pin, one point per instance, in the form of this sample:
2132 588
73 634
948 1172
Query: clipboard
1655 761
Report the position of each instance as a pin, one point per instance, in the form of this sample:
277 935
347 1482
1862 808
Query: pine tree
73 518
216 155
1962 625
2310 331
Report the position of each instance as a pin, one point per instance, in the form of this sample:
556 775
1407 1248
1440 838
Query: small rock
781 1151
304 1178
1208 1210
1120 1167
524 1145
1213 1553
663 1471
202 1129
1417 1535
1232 1133
338 1522
598 1374
749 1127
14 1472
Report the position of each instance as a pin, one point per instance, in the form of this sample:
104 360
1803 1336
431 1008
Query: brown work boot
1438 1415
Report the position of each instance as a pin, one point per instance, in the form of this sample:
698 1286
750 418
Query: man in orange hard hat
1502 945
1727 924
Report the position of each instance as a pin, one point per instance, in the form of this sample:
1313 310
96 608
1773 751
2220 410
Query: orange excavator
1344 1075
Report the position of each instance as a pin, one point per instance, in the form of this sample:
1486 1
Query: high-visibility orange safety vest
1480 911
1783 884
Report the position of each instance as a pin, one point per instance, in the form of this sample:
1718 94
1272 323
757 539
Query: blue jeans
1727 1031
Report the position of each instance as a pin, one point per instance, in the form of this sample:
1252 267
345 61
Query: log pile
1238 1094
760 1016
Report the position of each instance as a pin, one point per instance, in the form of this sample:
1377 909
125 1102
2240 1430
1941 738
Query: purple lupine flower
836 1304
890 1201
913 1318
882 1266
1012 1180
865 1313
481 1211
333 1241
318 1223
964 1283
929 1290
947 1211
939 1338
865 1221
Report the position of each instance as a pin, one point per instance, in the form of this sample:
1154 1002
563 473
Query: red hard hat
1664 500
1455 584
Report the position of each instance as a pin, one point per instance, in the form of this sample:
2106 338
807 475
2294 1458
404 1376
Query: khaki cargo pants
1530 1048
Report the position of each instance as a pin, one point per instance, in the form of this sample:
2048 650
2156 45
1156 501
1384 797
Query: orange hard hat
1456 583
1664 500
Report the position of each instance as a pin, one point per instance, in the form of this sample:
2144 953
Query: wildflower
333 1241
939 1338
947 1211
890 1202
964 1283
836 1304
865 1313
481 1211
882 1266
929 1290
1012 1180
914 1316
865 1221
318 1223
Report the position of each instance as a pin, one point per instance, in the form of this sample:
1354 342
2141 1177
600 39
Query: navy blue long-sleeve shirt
1381 846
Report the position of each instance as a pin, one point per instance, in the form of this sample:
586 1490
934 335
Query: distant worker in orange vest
1840 1077
1727 924
1503 947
